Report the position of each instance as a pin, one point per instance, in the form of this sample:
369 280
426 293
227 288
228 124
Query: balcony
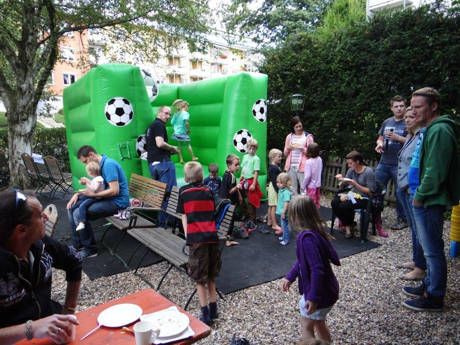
373 6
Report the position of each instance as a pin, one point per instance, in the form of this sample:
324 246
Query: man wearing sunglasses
27 257
109 201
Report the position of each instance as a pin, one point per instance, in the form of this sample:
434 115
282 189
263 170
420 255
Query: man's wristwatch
28 330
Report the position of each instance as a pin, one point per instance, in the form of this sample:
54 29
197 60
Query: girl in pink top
295 149
312 173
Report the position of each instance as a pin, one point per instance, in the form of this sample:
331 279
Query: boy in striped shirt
196 203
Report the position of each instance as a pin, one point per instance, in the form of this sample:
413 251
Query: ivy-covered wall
349 77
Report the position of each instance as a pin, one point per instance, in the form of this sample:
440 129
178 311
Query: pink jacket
287 152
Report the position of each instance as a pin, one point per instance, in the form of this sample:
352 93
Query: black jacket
25 294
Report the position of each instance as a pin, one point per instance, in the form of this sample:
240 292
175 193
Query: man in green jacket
439 187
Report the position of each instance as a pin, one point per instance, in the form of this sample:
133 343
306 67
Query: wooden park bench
150 194
171 246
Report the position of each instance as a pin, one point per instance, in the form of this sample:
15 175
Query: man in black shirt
158 155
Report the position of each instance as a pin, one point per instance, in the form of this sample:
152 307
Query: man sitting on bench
113 198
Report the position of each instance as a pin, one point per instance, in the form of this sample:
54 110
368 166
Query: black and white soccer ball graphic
141 146
240 140
150 85
259 110
119 112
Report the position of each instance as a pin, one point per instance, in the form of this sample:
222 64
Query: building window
192 79
197 64
216 68
174 79
69 78
173 60
68 53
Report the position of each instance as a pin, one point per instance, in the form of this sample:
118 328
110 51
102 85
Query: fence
339 166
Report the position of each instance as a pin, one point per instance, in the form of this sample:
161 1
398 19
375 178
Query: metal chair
52 214
60 180
38 179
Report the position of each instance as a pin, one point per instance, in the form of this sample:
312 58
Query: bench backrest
172 202
146 190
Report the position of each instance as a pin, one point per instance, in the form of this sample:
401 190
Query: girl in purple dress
317 283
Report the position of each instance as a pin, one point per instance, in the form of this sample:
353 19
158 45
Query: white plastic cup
143 333
71 337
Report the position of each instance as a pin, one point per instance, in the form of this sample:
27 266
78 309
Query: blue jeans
85 237
83 207
164 172
385 172
285 226
417 251
429 221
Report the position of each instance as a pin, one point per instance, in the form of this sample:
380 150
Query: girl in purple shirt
317 283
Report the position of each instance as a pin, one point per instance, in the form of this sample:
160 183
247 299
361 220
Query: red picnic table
149 300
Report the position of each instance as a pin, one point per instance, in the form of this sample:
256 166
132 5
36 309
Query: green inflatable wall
109 108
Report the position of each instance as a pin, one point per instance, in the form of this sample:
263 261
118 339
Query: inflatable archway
110 109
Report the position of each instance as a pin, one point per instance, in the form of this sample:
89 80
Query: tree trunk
20 139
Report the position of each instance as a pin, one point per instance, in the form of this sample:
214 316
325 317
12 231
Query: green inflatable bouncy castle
111 107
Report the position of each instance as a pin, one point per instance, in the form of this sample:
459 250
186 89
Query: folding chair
36 178
52 214
60 180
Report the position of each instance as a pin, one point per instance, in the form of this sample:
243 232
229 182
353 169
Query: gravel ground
369 310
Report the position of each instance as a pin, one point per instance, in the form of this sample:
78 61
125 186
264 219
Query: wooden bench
171 209
150 193
172 247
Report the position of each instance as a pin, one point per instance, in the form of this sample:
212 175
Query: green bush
349 77
47 142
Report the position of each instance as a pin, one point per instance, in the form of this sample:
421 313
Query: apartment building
374 6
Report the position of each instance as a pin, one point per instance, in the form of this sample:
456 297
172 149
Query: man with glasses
158 155
27 257
392 136
109 201
438 187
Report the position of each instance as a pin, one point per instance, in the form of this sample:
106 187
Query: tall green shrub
348 78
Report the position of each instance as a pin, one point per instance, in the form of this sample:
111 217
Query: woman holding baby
361 179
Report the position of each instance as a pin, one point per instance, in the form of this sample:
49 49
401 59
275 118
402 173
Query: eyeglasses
20 198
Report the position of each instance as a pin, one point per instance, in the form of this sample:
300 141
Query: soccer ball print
240 140
259 110
141 146
118 111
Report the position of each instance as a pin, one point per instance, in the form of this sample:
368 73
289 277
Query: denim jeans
85 237
285 226
164 172
429 221
83 207
385 172
417 251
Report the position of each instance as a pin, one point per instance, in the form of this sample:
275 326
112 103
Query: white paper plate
119 315
169 322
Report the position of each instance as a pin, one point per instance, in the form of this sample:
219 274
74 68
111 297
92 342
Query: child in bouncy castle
274 170
181 125
250 167
315 254
312 174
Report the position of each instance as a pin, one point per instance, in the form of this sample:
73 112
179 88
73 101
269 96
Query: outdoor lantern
297 103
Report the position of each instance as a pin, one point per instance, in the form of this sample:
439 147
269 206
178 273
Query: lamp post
297 103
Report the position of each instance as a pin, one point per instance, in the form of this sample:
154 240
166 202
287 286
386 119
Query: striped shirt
197 203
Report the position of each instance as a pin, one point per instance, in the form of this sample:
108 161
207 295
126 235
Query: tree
274 20
29 35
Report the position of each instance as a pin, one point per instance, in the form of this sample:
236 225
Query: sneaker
264 230
423 303
84 253
414 291
284 243
80 226
280 238
251 226
245 234
400 224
